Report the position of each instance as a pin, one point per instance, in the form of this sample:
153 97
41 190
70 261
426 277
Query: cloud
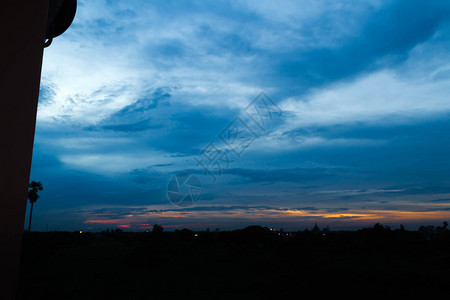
113 163
364 101
284 175
134 90
224 52
379 39
139 115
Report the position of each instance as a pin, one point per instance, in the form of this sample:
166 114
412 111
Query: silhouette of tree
445 225
157 228
378 227
33 189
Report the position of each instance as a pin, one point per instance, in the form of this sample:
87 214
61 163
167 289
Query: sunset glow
281 115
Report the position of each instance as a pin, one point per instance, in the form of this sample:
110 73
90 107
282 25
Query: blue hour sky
134 91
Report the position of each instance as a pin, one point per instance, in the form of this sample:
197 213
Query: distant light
196 235
81 231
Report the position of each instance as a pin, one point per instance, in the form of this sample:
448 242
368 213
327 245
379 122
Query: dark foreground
254 263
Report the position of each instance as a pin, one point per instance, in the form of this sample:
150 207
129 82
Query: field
253 263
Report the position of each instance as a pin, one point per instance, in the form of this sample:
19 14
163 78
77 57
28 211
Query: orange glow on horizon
111 221
355 217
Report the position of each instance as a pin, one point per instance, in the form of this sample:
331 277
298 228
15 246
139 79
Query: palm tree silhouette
33 189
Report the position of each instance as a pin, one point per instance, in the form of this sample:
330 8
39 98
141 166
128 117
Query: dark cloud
138 116
441 200
297 175
388 33
133 127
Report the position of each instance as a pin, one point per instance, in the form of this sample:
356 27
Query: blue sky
134 91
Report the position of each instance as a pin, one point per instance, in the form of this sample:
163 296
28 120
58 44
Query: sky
278 113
